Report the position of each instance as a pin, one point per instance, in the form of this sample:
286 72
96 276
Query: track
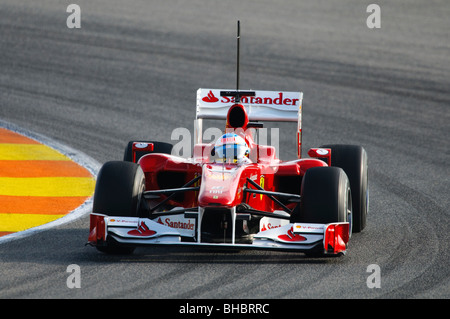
132 71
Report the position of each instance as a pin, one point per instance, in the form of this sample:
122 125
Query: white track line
78 157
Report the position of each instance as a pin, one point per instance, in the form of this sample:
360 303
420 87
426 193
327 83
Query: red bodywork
222 184
208 188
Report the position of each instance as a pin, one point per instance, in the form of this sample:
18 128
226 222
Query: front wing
329 239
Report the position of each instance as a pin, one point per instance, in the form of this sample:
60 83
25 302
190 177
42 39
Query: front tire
325 196
118 192
119 189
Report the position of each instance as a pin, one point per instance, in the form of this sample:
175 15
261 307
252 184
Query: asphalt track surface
132 71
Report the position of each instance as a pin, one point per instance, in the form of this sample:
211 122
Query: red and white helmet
231 148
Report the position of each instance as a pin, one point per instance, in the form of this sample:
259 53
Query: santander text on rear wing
273 106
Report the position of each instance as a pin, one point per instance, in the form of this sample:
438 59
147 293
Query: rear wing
273 106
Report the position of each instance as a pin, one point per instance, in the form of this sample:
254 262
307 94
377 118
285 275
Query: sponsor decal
142 230
228 140
322 151
119 221
291 237
140 145
275 99
218 175
269 226
216 190
268 223
261 183
176 224
308 228
210 98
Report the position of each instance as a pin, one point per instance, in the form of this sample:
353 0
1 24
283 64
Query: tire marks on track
412 228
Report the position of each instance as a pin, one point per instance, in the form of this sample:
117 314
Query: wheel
119 189
353 160
325 196
118 192
158 147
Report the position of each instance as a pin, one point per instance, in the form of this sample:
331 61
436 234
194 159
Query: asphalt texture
131 72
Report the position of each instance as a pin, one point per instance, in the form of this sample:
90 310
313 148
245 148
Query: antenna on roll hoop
237 58
237 94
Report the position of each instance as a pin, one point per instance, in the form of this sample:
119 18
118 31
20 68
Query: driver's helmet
231 148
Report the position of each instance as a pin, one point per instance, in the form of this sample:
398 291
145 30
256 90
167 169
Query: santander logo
176 224
272 98
269 226
142 230
290 236
210 98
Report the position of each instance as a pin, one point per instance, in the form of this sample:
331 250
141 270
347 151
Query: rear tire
118 192
353 160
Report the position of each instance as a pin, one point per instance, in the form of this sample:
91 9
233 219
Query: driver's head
231 148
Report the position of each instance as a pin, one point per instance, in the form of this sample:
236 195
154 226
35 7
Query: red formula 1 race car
233 192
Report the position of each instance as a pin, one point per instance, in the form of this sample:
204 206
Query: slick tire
353 160
325 196
119 189
118 192
158 147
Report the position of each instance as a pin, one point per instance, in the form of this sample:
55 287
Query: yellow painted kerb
35 188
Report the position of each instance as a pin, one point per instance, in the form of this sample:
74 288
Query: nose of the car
220 186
